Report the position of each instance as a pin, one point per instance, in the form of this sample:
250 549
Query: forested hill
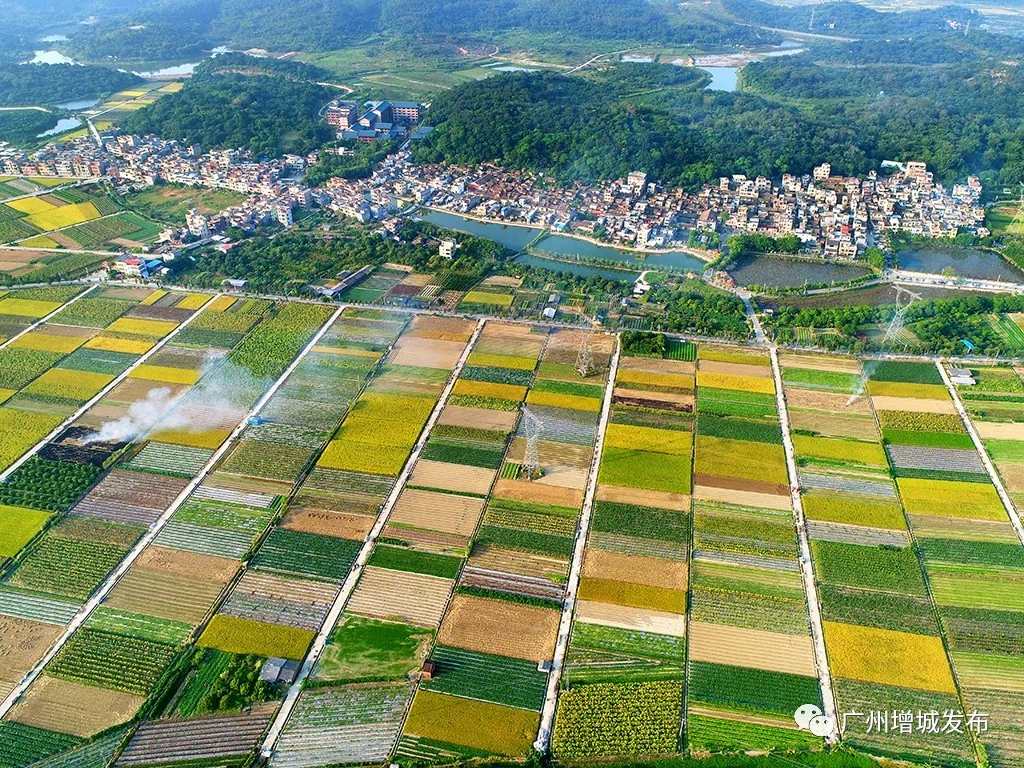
959 121
156 28
27 85
849 19
267 106
567 125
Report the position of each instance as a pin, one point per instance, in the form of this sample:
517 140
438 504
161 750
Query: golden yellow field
488 389
27 307
741 383
166 374
31 205
221 303
153 298
210 438
888 657
65 216
109 344
46 342
193 301
136 327
555 400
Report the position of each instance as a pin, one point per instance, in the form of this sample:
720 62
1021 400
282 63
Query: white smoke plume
142 416
223 395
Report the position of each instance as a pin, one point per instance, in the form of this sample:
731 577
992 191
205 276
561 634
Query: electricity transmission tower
585 354
533 427
894 333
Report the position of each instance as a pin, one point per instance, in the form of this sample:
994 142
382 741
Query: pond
967 262
791 273
518 237
74 106
49 57
577 268
64 124
161 70
722 78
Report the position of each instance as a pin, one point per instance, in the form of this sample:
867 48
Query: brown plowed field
500 627
427 353
834 424
66 707
329 523
677 402
187 564
524 490
443 512
514 561
414 597
164 595
452 477
478 418
752 648
624 617
827 401
819 363
635 569
743 498
428 541
22 644
682 367
741 484
659 499
554 453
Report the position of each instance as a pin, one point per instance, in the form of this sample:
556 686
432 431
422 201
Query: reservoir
64 124
49 57
967 262
790 273
564 248
722 78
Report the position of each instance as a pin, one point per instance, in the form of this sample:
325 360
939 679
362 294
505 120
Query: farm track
547 719
824 673
348 587
986 461
919 553
158 525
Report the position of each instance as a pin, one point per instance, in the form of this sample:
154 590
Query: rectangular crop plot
235 635
178 460
417 598
354 724
307 553
204 738
487 677
130 497
112 661
478 725
66 566
290 602
607 719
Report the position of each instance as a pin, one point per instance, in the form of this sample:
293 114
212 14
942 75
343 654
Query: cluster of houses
834 216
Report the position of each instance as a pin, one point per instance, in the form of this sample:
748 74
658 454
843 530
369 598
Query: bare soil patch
624 617
752 648
66 707
500 627
635 569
